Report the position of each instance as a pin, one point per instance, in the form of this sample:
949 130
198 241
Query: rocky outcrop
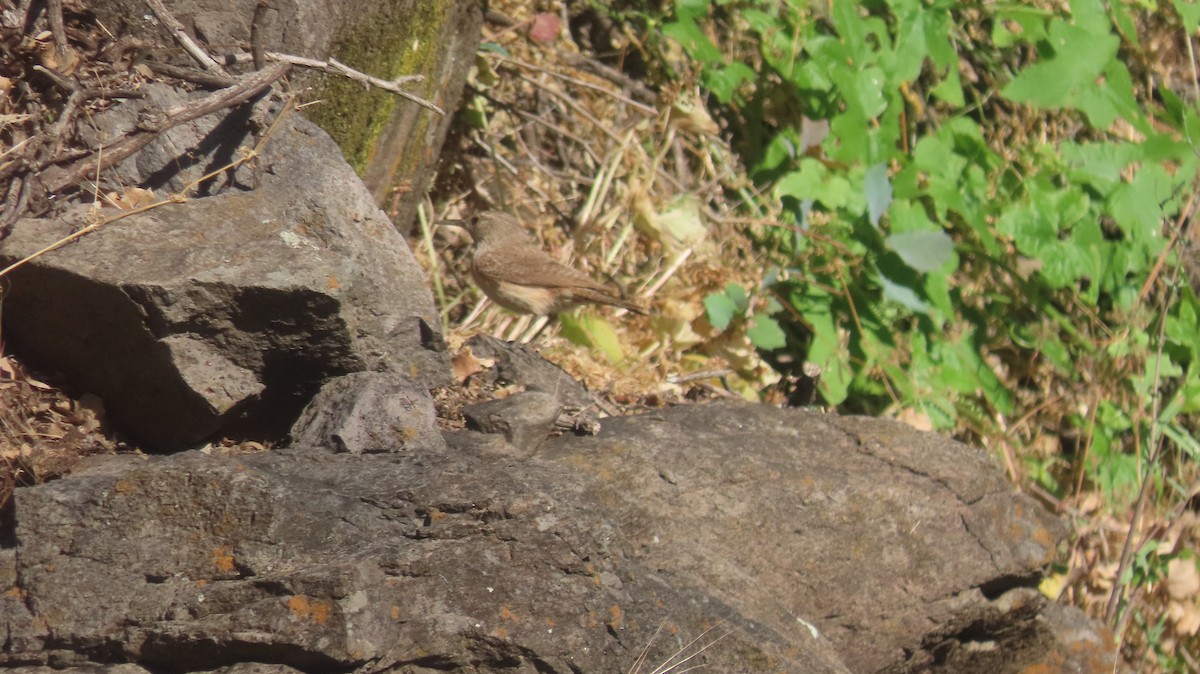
780 540
224 313
191 317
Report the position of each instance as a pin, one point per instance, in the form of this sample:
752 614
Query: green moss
380 44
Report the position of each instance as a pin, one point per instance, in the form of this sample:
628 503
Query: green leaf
721 310
950 89
1031 229
924 251
937 292
1080 56
879 192
1104 102
1137 206
739 296
936 156
1064 264
1090 15
811 180
495 48
852 29
1191 396
826 350
1125 22
1189 11
691 9
766 334
865 93
779 149
723 82
1031 20
902 295
593 332
693 40
1183 439
723 307
1098 165
849 130
938 31
911 44
761 21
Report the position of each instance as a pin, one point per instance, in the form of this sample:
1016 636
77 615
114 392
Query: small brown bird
517 274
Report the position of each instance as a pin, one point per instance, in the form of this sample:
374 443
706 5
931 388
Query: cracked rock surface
190 317
807 543
223 308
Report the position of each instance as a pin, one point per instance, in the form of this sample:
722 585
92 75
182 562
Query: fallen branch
65 83
336 67
15 200
330 65
201 77
57 28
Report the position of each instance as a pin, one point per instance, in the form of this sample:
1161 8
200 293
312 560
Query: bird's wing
532 268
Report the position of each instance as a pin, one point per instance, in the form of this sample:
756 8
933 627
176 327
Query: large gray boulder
819 544
193 316
223 315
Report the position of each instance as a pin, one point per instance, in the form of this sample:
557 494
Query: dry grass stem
671 665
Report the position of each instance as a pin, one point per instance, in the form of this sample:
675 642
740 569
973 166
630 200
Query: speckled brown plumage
515 273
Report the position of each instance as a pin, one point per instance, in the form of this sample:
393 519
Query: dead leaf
645 218
464 364
689 115
37 384
64 61
544 28
681 224
673 323
1178 534
1183 580
506 391
918 419
135 197
1185 617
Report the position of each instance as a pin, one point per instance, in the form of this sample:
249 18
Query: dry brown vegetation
625 182
640 185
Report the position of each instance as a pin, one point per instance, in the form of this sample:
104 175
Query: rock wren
517 274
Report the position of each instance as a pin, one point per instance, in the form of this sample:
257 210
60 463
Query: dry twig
59 178
204 79
180 34
332 65
57 28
